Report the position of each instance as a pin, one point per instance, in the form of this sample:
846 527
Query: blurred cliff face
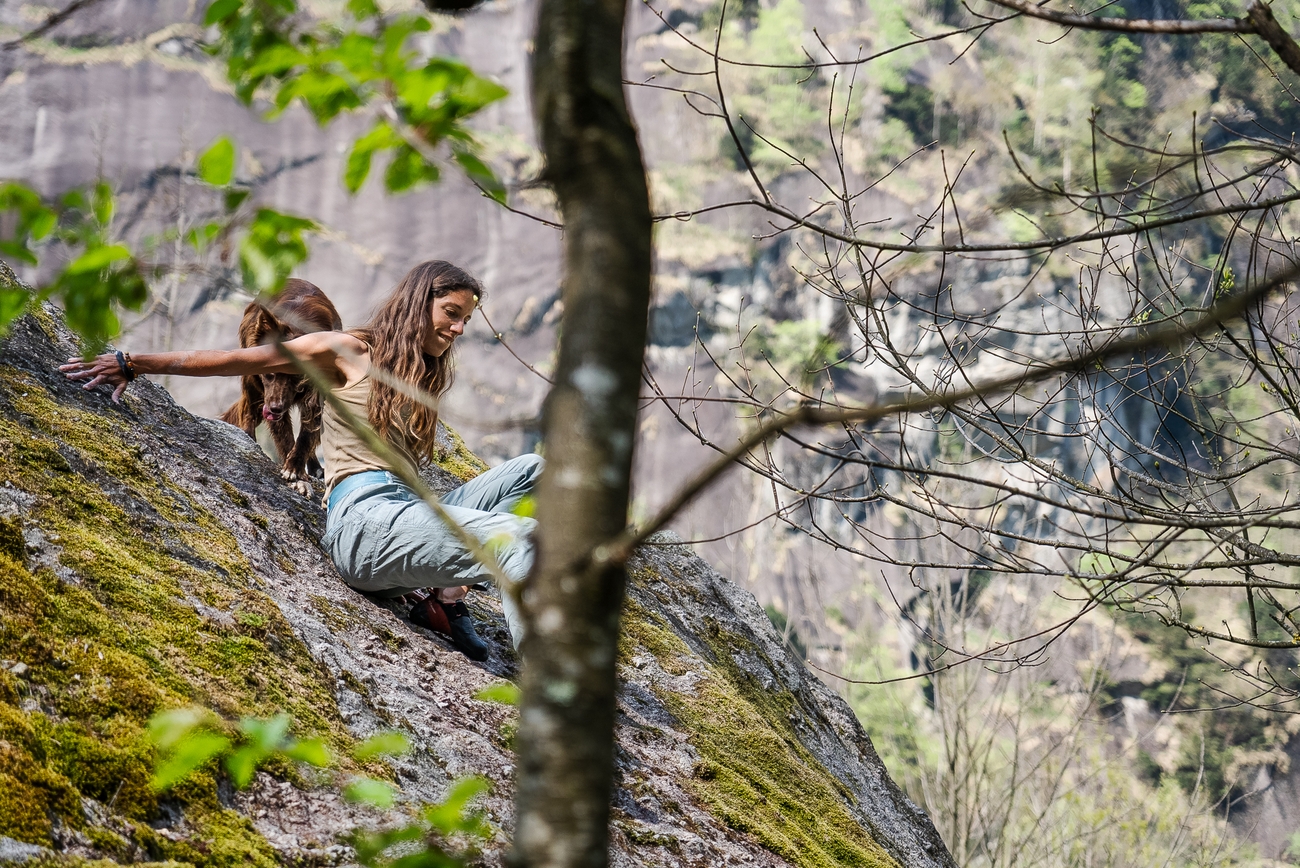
128 94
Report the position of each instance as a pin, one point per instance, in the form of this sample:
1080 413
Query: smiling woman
383 538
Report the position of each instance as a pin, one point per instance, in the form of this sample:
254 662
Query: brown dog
300 308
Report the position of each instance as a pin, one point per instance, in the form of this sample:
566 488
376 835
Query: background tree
1114 457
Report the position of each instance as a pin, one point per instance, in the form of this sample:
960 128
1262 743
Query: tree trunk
593 161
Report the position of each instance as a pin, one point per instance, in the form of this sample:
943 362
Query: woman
382 537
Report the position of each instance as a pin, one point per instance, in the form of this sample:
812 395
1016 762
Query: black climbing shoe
454 621
462 633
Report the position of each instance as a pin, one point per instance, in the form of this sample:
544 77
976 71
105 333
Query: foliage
101 276
190 738
187 738
452 819
776 114
365 60
1014 768
503 692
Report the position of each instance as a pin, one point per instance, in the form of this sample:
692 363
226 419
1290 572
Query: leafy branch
191 739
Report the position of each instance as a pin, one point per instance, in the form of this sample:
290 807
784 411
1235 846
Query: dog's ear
245 413
269 326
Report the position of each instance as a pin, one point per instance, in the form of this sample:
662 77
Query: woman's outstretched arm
336 354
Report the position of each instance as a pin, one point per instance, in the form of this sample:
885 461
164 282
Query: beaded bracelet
126 366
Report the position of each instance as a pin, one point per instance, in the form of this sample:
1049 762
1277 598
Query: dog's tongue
268 414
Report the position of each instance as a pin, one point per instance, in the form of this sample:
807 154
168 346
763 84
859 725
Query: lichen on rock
150 559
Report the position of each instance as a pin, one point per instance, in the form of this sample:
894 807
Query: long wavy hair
395 335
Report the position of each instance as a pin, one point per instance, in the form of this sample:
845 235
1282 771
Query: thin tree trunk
593 161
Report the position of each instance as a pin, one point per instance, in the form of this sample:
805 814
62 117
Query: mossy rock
105 619
780 757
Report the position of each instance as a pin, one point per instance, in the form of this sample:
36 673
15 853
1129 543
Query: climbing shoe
454 621
462 631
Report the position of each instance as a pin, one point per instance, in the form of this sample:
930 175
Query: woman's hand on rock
99 370
451 595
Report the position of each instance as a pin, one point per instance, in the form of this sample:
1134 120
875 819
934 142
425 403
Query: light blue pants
385 540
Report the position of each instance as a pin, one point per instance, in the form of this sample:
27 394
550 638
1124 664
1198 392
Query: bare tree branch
51 22
618 550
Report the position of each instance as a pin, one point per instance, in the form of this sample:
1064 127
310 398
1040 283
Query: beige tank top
343 452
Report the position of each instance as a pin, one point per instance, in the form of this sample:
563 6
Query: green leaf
271 249
371 845
243 763
97 259
526 507
381 136
276 61
408 169
75 200
167 728
267 734
217 164
102 201
382 744
18 196
18 251
311 751
370 792
475 92
263 739
356 170
479 172
201 236
235 198
362 9
220 10
503 692
35 220
450 815
41 223
192 752
13 302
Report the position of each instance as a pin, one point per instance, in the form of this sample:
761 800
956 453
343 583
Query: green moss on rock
116 637
754 774
221 838
455 457
11 540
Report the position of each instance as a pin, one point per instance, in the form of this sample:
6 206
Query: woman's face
449 315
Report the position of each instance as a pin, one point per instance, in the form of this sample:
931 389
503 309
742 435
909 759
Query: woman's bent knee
529 465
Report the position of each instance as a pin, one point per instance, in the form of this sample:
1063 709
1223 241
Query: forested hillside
1010 135
1086 584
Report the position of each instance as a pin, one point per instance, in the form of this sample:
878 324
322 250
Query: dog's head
299 309
279 393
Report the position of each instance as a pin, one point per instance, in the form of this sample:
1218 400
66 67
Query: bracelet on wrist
125 365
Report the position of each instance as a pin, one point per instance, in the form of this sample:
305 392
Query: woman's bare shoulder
347 354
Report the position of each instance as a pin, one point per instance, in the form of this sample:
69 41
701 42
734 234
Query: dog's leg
282 434
304 449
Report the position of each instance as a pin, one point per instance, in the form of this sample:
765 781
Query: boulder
151 559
